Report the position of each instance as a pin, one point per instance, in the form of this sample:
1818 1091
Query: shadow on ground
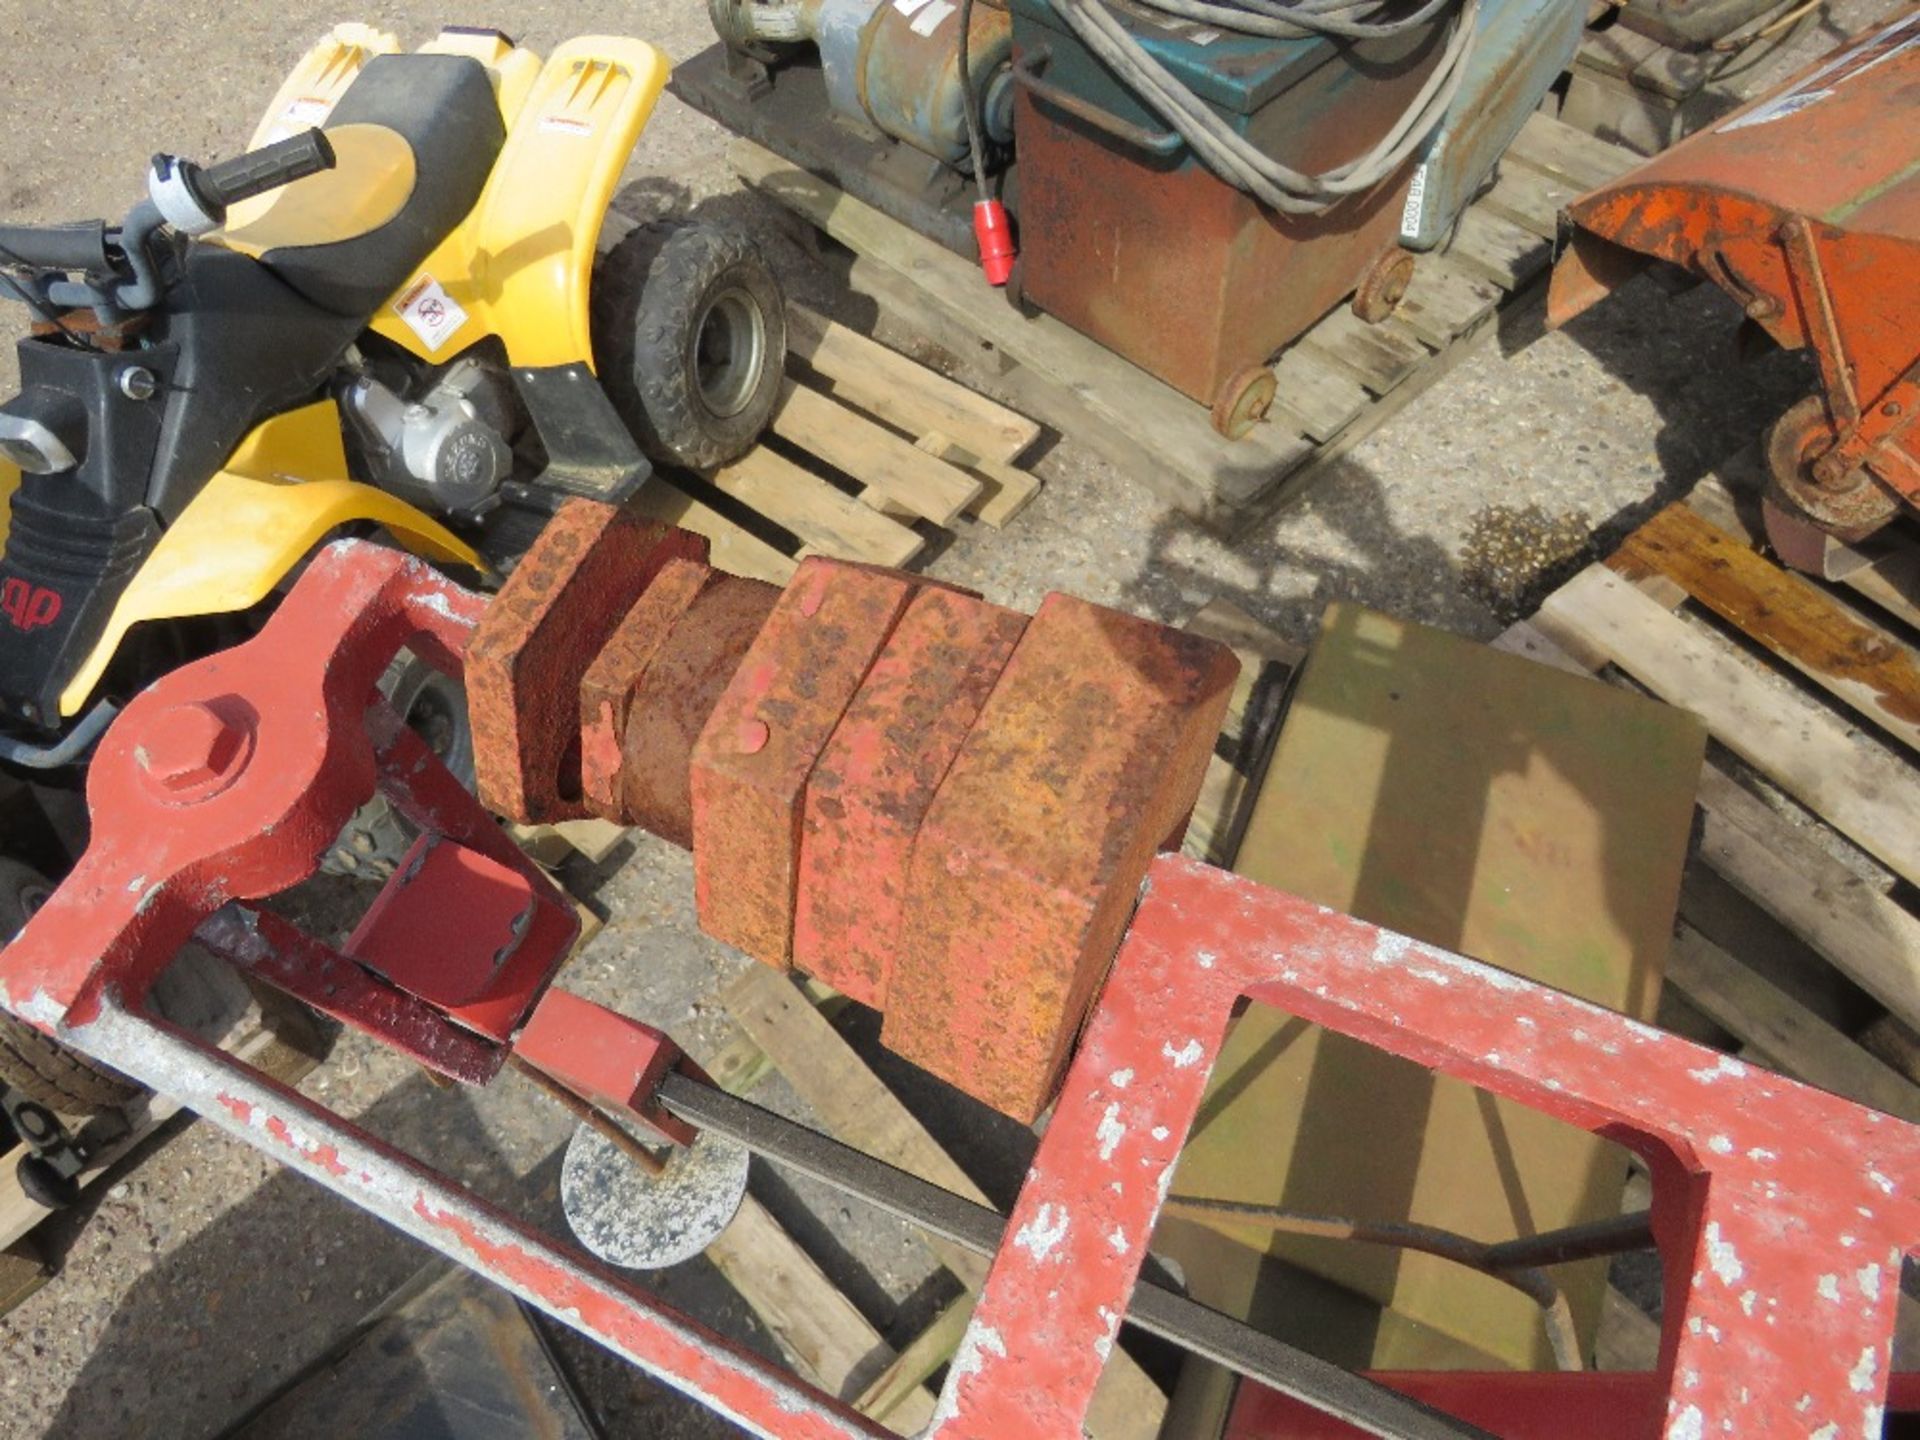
225 1320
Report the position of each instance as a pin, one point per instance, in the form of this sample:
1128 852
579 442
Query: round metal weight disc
644 1222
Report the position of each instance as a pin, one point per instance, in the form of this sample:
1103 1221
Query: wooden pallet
867 450
1802 875
1338 384
1633 90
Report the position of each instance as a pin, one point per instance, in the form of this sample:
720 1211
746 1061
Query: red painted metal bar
1782 1213
557 1279
1516 1405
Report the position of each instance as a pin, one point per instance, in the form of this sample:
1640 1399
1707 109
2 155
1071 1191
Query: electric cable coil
1229 154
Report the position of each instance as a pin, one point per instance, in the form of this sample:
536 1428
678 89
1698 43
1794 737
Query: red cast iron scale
1782 1213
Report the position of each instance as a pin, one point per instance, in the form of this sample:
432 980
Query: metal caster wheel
1244 401
1384 285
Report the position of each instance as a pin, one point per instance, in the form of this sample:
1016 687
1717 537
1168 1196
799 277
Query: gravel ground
205 1276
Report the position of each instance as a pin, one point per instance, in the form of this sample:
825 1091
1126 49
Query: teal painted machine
1193 183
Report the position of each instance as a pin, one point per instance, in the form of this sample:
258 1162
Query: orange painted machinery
1805 207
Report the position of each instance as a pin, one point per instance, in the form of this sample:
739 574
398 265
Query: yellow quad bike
390 313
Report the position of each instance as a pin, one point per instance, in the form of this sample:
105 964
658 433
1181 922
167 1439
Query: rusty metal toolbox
1131 240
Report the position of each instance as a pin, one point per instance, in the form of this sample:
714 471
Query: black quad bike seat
443 106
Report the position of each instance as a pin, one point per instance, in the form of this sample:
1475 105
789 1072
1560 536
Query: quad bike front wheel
690 331
36 1065
435 707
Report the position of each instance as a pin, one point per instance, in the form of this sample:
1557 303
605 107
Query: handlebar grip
268 168
80 246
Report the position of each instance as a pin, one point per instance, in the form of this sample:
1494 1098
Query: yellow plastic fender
521 265
254 521
9 482
314 86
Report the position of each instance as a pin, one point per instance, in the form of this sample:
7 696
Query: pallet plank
733 549
1863 794
904 392
1172 432
1890 581
1379 356
816 1325
1546 145
876 457
828 518
1873 673
932 1348
1005 490
1498 249
1616 51
1776 864
1784 1032
1324 399
1531 199
1866 936
858 1108
1445 301
1247 733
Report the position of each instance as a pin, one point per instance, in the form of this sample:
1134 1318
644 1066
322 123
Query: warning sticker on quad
430 312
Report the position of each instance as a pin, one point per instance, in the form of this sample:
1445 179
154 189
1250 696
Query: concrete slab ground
203 1277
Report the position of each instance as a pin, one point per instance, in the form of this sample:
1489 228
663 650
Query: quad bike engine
444 451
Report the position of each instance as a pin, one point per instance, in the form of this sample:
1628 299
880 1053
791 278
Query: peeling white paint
1827 1431
1747 1297
1861 1376
1186 1057
1726 1066
1160 1132
1720 1145
1723 1258
1829 1288
1120 1079
1868 1277
1760 1155
1041 1235
980 1342
1389 948
1205 959
1118 1240
1110 1132
1886 1185
1689 1424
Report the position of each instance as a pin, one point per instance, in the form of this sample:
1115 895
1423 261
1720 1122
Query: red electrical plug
995 239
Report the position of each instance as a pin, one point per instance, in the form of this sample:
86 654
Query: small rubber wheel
1848 506
690 331
378 836
1244 401
44 1185
1384 285
36 1065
